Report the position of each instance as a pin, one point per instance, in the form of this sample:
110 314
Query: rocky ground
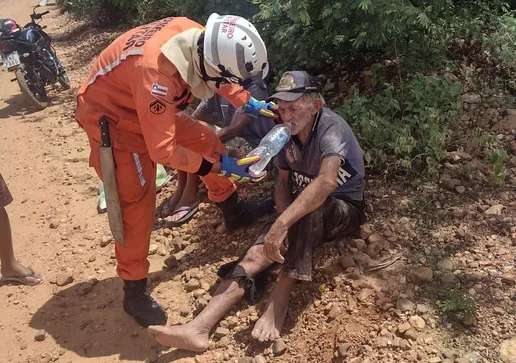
450 295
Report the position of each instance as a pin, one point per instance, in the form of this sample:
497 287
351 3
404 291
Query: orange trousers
136 184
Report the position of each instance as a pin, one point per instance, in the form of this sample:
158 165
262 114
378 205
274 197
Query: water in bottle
270 145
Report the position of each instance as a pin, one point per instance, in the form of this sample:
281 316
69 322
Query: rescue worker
141 83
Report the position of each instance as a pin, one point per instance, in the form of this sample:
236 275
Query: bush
407 128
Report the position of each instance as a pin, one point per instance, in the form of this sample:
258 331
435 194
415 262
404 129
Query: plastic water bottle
270 145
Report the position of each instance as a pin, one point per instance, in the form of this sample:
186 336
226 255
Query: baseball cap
293 85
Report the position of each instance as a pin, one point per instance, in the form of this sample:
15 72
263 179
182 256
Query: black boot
240 213
141 306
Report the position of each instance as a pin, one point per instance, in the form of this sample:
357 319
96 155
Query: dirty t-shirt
256 129
330 136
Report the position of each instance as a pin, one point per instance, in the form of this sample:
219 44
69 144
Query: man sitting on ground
325 161
240 133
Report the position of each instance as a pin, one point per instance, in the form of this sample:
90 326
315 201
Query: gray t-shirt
331 136
256 129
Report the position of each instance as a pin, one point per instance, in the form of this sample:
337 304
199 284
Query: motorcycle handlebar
44 13
7 37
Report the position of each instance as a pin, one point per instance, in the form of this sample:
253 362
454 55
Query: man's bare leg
194 336
269 326
188 197
172 202
10 266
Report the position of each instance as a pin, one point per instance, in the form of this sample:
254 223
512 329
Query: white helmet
233 46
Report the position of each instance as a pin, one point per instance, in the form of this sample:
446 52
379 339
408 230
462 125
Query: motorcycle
28 53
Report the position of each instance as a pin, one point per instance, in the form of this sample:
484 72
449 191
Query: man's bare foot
16 272
181 336
268 327
171 204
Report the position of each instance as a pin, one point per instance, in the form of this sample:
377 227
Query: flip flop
22 279
192 210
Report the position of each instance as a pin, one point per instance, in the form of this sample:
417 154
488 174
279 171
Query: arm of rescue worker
239 97
156 97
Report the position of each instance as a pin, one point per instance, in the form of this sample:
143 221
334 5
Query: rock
334 312
509 278
260 359
508 123
279 347
361 258
153 249
329 86
221 229
374 249
422 309
346 261
445 265
411 334
171 262
450 184
468 319
356 360
359 244
403 327
365 231
462 360
404 305
162 251
40 335
448 277
449 353
153 356
221 332
64 279
460 189
421 274
507 350
383 342
245 360
374 238
106 240
495 210
471 98
447 361
417 322
343 349
54 224
192 285
365 293
85 288
184 311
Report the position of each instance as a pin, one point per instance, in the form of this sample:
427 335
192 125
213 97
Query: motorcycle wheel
64 81
40 99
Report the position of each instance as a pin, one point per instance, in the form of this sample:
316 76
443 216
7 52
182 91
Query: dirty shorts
335 218
5 195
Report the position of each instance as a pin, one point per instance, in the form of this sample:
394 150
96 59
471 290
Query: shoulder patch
159 90
157 107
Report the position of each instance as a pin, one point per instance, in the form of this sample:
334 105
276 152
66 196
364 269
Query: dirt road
57 230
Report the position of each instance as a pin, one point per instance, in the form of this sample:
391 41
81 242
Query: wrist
216 168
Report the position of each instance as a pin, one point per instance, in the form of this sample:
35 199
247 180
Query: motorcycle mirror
43 3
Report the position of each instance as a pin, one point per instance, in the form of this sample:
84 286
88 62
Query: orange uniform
142 94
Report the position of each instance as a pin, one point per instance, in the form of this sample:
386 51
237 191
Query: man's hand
238 169
275 242
261 108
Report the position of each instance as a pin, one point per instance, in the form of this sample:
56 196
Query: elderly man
325 162
240 132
